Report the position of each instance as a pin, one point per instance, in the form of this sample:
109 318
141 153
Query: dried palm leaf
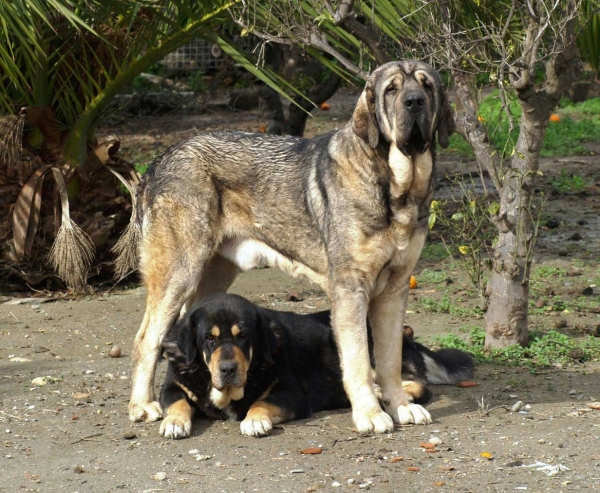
26 213
73 251
126 247
11 133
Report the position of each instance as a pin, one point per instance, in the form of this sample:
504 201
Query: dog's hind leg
218 275
173 257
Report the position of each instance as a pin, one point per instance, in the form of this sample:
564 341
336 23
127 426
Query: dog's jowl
347 209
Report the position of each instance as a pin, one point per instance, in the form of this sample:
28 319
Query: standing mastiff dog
348 210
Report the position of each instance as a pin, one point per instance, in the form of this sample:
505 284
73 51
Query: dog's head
226 335
404 104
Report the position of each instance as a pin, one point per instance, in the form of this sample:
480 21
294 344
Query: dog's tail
447 366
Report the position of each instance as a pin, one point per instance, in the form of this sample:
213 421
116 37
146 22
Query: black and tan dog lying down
230 359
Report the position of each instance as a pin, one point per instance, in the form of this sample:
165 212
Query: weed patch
544 349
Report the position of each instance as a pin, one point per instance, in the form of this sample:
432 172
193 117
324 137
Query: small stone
515 463
160 476
541 441
552 223
435 440
560 323
540 303
513 396
550 292
572 392
35 307
517 406
293 296
115 352
588 291
194 451
130 435
78 470
575 237
563 252
335 484
582 222
296 471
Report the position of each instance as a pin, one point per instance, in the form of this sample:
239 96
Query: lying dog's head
404 104
224 334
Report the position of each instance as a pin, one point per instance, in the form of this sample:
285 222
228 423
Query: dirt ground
73 434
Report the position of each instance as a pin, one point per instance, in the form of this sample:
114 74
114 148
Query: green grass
580 123
446 305
544 349
434 252
428 276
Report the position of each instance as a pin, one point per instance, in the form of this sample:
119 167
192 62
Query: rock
540 303
552 223
582 222
563 252
588 291
517 406
293 296
560 323
575 237
160 476
115 352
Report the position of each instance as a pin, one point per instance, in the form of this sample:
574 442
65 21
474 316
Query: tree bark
508 287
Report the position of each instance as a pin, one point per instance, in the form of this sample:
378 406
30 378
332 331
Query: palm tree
61 64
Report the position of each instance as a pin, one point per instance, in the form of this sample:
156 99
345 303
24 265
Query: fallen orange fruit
413 282
554 118
325 106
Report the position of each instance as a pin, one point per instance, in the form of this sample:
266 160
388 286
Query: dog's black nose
228 369
414 101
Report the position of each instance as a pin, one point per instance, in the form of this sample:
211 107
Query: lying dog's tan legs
260 419
178 420
349 323
386 316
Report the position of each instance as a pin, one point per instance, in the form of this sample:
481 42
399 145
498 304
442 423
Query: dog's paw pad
374 422
256 427
148 412
175 427
413 413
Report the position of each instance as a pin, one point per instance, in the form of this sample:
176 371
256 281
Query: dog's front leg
349 316
386 316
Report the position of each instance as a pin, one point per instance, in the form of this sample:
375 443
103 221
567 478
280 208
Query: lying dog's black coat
234 360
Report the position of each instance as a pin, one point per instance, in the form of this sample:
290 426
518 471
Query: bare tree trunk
508 288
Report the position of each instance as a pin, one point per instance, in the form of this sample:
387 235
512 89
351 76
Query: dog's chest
410 174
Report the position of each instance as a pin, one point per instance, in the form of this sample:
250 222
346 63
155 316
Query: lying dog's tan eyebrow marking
215 331
235 330
187 391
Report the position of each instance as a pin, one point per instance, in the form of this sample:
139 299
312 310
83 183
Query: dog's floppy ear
364 122
180 345
446 124
269 338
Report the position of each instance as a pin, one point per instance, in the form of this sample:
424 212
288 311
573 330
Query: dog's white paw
372 422
260 426
413 413
175 427
148 411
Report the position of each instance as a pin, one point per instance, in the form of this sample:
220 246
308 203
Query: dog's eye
242 335
390 88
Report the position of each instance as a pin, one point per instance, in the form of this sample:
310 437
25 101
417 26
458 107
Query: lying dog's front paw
175 427
369 422
413 413
148 412
259 426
